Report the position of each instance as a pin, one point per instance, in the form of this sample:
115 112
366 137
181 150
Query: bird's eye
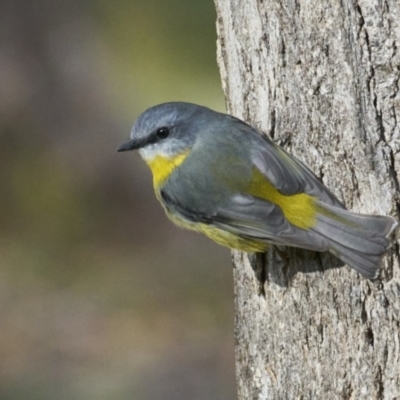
162 133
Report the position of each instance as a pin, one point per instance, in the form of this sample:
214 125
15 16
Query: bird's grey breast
216 169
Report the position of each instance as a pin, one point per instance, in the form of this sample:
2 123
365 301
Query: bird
215 174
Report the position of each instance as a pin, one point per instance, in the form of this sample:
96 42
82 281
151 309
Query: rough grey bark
321 77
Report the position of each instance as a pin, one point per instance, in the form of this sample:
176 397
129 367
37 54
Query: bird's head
166 130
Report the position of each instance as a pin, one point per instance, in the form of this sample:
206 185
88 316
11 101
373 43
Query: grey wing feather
254 218
250 218
287 174
190 214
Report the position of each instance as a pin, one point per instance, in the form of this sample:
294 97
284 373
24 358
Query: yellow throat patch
162 167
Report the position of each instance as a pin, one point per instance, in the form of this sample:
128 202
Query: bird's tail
356 239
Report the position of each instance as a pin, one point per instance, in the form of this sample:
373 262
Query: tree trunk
322 78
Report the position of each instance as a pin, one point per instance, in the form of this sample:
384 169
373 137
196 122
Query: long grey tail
356 239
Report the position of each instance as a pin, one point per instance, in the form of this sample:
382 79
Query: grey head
167 129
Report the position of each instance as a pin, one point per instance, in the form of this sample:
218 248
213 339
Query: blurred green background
100 296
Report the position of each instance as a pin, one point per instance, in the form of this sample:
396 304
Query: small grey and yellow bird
215 174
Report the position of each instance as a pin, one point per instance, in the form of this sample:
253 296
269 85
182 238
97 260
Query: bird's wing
255 218
250 218
287 174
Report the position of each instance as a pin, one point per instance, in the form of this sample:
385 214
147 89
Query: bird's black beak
131 145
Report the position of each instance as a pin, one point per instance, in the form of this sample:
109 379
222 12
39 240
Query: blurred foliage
169 55
100 296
